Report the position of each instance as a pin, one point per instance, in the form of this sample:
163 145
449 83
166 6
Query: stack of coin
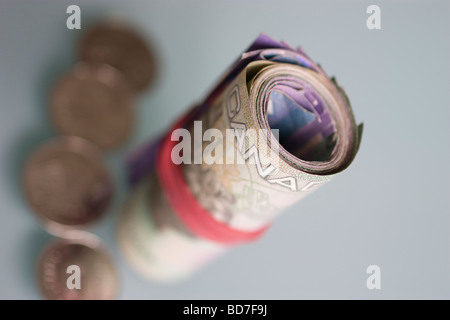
95 99
65 180
68 187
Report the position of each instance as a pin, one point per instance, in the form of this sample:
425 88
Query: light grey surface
390 208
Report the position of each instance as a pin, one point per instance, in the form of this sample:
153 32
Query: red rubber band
198 220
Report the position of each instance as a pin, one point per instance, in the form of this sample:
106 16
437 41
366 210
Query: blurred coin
93 102
77 270
116 44
66 184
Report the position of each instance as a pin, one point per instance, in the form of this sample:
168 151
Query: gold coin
118 45
93 102
67 184
77 270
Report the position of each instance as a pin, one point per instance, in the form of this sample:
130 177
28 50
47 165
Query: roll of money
274 129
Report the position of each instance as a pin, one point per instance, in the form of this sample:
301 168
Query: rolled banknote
274 129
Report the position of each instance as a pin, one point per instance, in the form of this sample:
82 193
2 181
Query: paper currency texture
274 129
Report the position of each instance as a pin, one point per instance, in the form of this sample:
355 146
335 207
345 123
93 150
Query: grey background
390 208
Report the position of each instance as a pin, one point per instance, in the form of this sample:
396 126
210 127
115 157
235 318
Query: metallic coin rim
117 24
76 145
94 71
89 240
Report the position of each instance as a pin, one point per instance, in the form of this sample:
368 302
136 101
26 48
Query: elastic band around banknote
198 220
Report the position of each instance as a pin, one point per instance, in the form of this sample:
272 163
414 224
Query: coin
67 184
77 270
93 102
118 45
